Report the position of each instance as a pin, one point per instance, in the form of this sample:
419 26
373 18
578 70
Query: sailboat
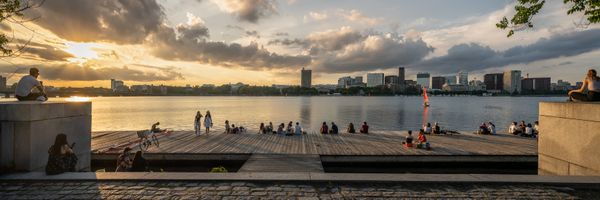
425 98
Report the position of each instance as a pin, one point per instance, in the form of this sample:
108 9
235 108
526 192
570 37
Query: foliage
219 169
526 9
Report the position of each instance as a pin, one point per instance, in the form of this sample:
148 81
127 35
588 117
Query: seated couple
421 141
233 129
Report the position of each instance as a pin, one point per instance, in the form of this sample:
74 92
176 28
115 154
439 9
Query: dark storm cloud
251 10
290 42
253 34
473 56
119 21
45 51
165 44
73 72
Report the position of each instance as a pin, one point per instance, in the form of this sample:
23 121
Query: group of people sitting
334 128
233 129
525 130
127 164
420 143
435 129
488 128
281 129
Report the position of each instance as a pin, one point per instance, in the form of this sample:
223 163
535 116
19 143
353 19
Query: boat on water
425 98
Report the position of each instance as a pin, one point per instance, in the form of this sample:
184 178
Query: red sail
425 97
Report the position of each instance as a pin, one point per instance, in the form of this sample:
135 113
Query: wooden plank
282 163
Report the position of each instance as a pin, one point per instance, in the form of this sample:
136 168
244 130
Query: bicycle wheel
155 140
143 144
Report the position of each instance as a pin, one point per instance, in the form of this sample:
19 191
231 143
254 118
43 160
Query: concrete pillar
28 129
569 142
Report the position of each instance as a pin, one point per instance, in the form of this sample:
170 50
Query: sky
264 42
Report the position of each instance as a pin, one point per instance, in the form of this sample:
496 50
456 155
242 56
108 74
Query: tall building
423 79
358 80
374 79
437 82
531 85
463 78
512 81
116 84
306 78
451 80
494 82
345 82
391 79
401 75
2 83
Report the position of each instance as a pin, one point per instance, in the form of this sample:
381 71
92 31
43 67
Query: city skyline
269 42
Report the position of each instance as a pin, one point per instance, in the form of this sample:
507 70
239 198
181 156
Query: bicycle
145 142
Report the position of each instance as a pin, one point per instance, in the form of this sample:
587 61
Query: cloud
46 51
248 10
281 34
357 16
252 34
315 16
122 22
165 44
74 72
474 56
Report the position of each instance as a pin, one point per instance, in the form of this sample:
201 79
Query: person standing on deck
208 121
197 123
227 127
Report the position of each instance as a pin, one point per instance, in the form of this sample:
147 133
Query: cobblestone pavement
283 190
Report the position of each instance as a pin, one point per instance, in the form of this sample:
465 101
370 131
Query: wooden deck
380 144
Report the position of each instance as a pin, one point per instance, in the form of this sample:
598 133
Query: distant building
280 86
2 83
391 80
344 82
531 85
374 79
578 85
401 75
437 82
494 82
476 85
451 80
561 85
455 88
410 83
117 85
358 80
306 78
423 79
463 78
512 81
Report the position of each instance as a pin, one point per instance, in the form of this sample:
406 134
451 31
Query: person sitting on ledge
492 128
234 130
61 157
512 129
408 141
536 128
591 83
290 128
423 144
270 128
364 128
334 129
262 129
351 128
522 126
124 161
23 91
155 128
324 128
528 131
436 129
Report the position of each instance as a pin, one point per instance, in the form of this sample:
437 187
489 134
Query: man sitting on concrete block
23 92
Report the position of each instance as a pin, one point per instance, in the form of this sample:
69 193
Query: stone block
34 126
7 145
569 132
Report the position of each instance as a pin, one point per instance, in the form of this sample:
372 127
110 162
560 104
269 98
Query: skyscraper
306 78
512 81
2 83
401 75
423 79
344 82
374 79
391 79
450 80
463 78
531 85
494 82
437 82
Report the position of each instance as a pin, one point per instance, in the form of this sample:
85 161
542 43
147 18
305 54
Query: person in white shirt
528 131
298 129
513 129
427 128
26 84
536 128
492 128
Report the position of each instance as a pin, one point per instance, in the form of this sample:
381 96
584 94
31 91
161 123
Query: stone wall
569 142
28 129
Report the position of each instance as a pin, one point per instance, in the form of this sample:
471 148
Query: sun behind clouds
82 51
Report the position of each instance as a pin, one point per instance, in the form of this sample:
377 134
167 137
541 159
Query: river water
381 113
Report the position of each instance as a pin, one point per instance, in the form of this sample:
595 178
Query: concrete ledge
569 139
303 176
